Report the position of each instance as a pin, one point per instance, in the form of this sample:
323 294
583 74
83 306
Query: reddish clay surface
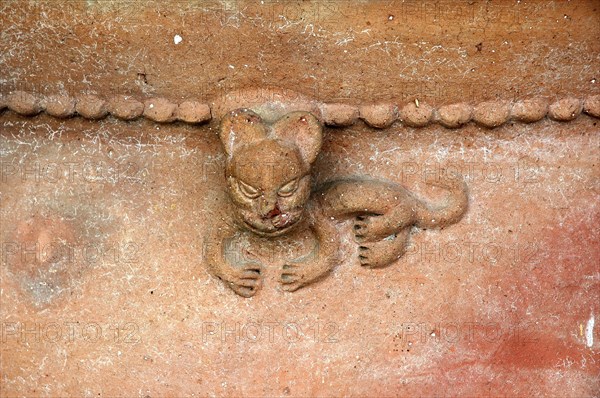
104 290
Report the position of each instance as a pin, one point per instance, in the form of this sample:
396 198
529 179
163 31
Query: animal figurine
268 174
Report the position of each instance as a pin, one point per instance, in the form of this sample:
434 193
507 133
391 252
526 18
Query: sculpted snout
268 207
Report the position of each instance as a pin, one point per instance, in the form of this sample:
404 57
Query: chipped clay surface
106 224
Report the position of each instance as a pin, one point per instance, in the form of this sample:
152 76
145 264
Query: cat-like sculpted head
268 168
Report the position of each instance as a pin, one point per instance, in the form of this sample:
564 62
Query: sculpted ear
303 130
241 127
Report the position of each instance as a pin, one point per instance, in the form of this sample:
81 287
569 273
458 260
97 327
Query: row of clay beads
94 107
488 114
414 114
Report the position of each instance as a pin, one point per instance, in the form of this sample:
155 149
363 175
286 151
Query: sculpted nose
269 208
274 212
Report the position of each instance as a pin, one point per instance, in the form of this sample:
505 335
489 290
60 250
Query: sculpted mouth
283 220
279 225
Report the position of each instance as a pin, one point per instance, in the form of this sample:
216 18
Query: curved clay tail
448 213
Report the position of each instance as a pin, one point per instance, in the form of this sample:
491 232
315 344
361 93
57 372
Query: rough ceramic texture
124 107
530 110
116 300
591 106
379 115
565 109
454 115
414 115
491 114
193 112
25 104
513 284
60 106
339 114
91 107
160 110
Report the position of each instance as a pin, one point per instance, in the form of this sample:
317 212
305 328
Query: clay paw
246 280
292 277
382 253
372 228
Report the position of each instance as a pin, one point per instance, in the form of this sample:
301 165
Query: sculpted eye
248 190
289 188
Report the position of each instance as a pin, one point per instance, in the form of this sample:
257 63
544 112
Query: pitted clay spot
42 256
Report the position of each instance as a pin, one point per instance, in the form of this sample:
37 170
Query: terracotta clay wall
104 288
